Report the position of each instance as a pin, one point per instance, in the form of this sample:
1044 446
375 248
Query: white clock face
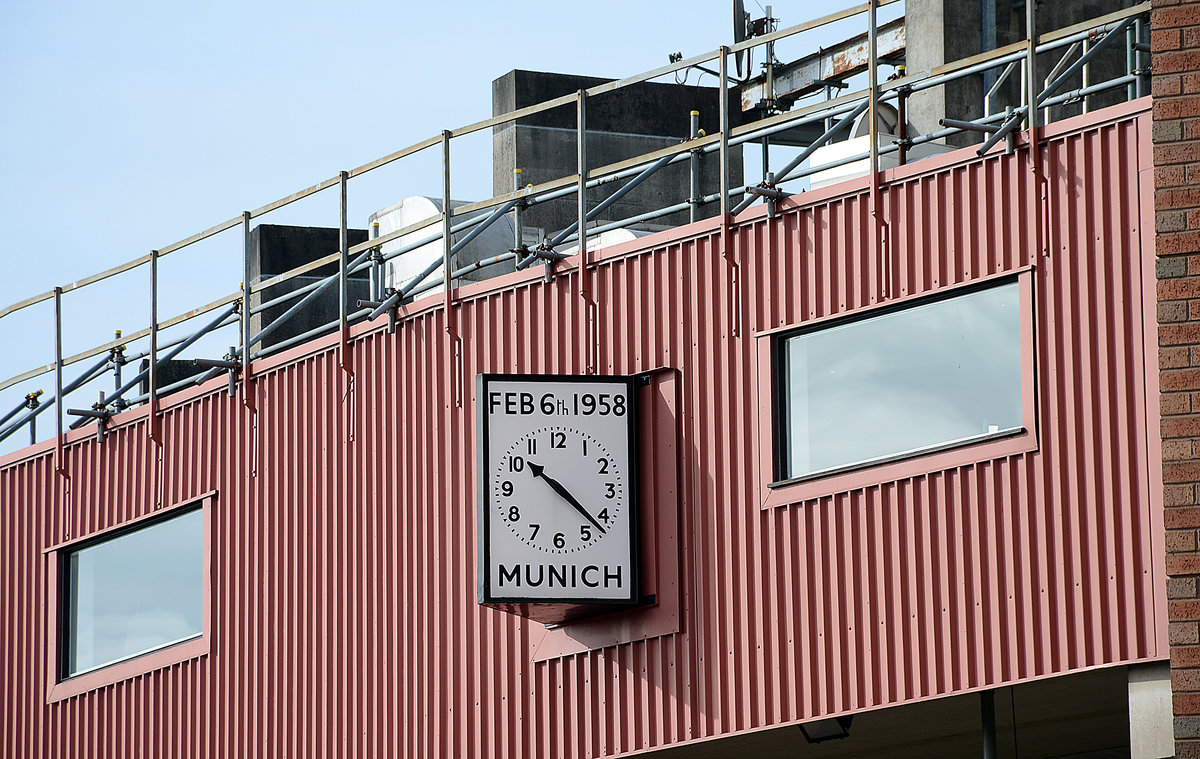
556 507
559 489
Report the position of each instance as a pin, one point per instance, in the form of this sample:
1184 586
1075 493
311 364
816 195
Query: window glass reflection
934 374
135 593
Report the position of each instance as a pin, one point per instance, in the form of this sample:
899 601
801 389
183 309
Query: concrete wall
1175 40
620 125
275 249
939 31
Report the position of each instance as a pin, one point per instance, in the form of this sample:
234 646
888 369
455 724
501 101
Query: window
131 591
901 381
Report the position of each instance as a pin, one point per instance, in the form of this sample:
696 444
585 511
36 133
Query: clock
557 483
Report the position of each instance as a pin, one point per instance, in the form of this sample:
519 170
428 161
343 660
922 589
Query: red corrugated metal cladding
344 620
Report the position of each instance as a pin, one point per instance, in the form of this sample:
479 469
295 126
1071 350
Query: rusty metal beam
808 74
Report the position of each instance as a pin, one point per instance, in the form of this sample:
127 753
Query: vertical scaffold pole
343 268
694 172
517 235
581 168
376 266
1031 66
447 242
58 384
723 94
153 373
585 295
246 277
873 84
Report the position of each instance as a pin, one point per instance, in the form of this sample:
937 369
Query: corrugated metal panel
344 615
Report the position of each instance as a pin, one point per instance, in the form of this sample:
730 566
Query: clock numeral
585 532
610 490
531 446
585 446
603 515
603 465
535 527
515 463
619 405
558 440
560 540
506 488
605 408
514 514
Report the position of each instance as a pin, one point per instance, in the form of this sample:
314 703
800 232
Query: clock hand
556 486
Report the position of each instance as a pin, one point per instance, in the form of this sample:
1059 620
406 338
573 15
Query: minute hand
556 486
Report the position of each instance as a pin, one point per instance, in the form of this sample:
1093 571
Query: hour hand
556 486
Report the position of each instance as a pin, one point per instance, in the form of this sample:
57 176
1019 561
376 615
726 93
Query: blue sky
127 126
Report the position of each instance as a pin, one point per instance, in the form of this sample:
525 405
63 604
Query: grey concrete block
1170 267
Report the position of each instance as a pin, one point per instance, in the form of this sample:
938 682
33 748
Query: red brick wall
1175 58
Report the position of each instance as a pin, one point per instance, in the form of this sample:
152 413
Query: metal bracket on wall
97 412
390 304
769 191
229 362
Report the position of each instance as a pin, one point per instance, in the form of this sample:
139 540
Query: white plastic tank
399 271
606 239
859 143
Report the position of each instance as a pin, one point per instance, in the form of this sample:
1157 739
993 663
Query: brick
1189 84
1194 360
1192 174
1170 221
1184 15
1180 379
1175 403
1185 703
1182 107
1181 541
1171 243
1174 61
1193 310
1183 633
1169 176
1185 749
1167 130
1181 587
1183 564
1187 727
1173 311
1186 681
1165 39
1183 426
1181 471
1172 358
1186 517
1166 86
1178 197
1179 288
1183 610
1187 657
1177 450
1193 219
1166 268
1179 152
1191 37
1191 129
1177 498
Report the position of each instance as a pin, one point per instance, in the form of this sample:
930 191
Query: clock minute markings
556 486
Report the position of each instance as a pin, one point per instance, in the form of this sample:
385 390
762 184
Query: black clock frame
531 607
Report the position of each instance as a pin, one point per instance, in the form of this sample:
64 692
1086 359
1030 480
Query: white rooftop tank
859 143
399 271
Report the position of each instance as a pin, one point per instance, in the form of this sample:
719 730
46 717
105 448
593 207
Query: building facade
337 488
